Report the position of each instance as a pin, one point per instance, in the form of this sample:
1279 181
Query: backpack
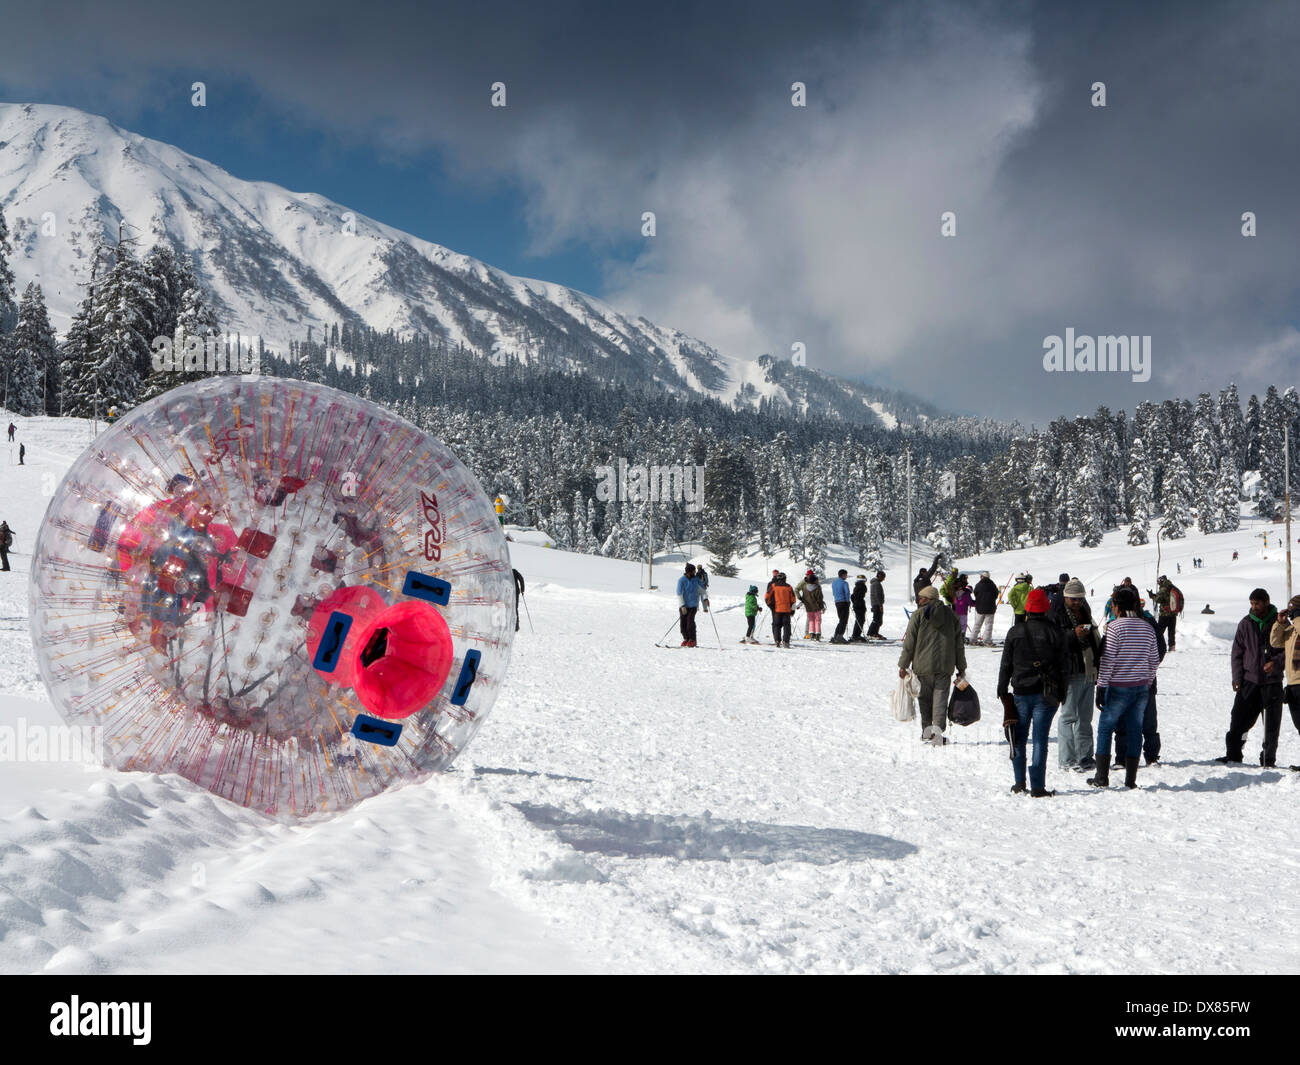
1175 599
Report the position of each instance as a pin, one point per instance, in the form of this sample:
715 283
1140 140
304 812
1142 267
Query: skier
1074 742
1257 679
1170 601
782 603
809 591
22 450
519 591
923 578
986 604
1019 593
934 648
877 605
6 541
702 579
500 505
752 610
1150 716
688 601
1129 661
1034 664
1285 636
1234 556
859 600
840 594
12 429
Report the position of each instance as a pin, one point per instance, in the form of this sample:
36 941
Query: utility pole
650 518
909 513
1286 436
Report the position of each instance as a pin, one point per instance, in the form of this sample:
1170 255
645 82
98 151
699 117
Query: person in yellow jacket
1019 593
1286 634
501 511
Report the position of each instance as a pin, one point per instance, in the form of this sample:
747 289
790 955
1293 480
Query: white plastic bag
903 702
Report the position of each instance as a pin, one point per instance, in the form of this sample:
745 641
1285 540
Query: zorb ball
284 593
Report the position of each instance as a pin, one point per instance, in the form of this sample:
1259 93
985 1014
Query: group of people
782 601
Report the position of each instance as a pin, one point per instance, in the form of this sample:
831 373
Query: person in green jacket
1019 593
949 589
752 610
934 649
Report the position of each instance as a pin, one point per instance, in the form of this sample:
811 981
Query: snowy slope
277 262
633 808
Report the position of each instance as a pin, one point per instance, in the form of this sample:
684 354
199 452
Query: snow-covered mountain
277 262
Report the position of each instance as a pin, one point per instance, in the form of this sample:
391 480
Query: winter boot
838 639
1102 779
1131 772
1017 789
1041 793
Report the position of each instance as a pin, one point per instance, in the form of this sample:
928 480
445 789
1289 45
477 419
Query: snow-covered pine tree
1206 451
125 310
1232 426
941 544
1139 493
1227 497
185 310
29 354
1179 493
8 294
1086 502
1251 460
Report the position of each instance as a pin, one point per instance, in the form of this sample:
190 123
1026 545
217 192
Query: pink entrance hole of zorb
284 593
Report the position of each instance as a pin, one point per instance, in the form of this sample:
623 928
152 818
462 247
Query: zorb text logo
203 354
436 533
651 484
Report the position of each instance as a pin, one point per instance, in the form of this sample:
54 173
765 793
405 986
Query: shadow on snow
620 835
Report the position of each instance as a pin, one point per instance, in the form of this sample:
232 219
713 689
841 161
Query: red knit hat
1037 602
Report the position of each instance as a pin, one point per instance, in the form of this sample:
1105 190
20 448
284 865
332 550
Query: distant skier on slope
519 591
877 605
688 602
752 610
781 600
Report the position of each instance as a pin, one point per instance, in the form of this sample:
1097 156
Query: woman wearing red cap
1034 663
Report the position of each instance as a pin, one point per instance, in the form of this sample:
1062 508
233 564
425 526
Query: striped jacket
1129 658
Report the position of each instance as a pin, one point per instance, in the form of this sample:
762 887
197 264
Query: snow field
628 808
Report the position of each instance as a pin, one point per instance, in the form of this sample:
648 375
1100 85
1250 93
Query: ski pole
715 628
528 614
659 642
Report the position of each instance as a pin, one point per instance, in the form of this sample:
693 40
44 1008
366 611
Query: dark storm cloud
818 225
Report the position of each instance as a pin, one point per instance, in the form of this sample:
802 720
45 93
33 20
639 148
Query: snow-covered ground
634 808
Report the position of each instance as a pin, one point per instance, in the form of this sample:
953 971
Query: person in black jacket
986 605
519 590
1257 672
877 605
1072 615
1034 664
859 601
924 578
